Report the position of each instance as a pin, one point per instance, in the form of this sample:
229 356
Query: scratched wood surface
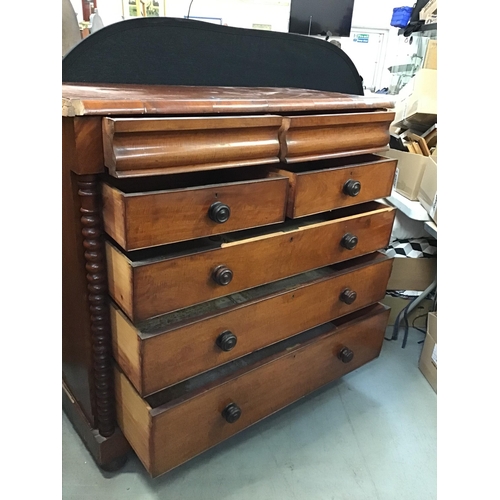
168 429
114 99
184 344
160 280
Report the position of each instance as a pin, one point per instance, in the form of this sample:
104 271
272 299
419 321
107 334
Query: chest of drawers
219 258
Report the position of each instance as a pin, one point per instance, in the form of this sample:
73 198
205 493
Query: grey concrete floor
370 435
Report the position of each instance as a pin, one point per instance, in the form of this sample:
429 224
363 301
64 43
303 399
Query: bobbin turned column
98 304
87 383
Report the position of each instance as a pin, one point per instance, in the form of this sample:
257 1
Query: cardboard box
427 193
434 155
417 318
428 358
419 109
412 274
428 10
409 172
430 59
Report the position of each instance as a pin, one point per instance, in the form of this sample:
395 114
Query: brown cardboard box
412 274
420 107
428 10
428 358
430 59
427 193
409 172
434 155
416 318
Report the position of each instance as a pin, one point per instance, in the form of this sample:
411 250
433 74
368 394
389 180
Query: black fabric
172 51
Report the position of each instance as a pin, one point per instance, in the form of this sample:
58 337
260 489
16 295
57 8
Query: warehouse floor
370 435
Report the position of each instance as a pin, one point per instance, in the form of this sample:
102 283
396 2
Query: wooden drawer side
133 418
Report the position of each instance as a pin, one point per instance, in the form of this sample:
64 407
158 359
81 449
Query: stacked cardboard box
414 145
414 133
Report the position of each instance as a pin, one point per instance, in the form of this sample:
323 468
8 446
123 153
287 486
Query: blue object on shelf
401 16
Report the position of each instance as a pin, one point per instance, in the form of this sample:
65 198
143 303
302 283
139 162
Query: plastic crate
401 16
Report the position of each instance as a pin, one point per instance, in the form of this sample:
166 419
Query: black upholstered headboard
172 51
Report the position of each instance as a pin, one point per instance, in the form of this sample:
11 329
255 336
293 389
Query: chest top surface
123 99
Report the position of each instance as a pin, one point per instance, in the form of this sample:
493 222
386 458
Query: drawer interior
319 165
204 178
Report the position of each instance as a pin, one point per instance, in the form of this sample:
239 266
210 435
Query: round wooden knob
345 355
219 212
231 413
222 275
226 340
352 187
349 241
348 296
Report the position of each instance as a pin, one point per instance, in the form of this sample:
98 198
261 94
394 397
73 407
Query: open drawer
151 282
166 350
324 185
175 425
152 211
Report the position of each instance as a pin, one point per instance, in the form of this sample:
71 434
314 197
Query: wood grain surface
161 352
116 99
316 137
319 186
155 146
167 435
144 219
157 283
83 147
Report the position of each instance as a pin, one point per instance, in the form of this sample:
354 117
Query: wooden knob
349 241
352 187
222 275
348 296
219 212
231 413
345 355
226 340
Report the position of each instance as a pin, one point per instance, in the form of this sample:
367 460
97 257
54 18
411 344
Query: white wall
239 13
244 13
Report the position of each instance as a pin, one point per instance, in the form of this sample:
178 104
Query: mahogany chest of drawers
220 258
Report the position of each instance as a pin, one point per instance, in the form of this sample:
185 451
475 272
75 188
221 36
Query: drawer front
337 183
317 137
140 220
158 285
173 354
155 146
170 434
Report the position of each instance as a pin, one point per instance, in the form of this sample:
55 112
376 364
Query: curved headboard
169 51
